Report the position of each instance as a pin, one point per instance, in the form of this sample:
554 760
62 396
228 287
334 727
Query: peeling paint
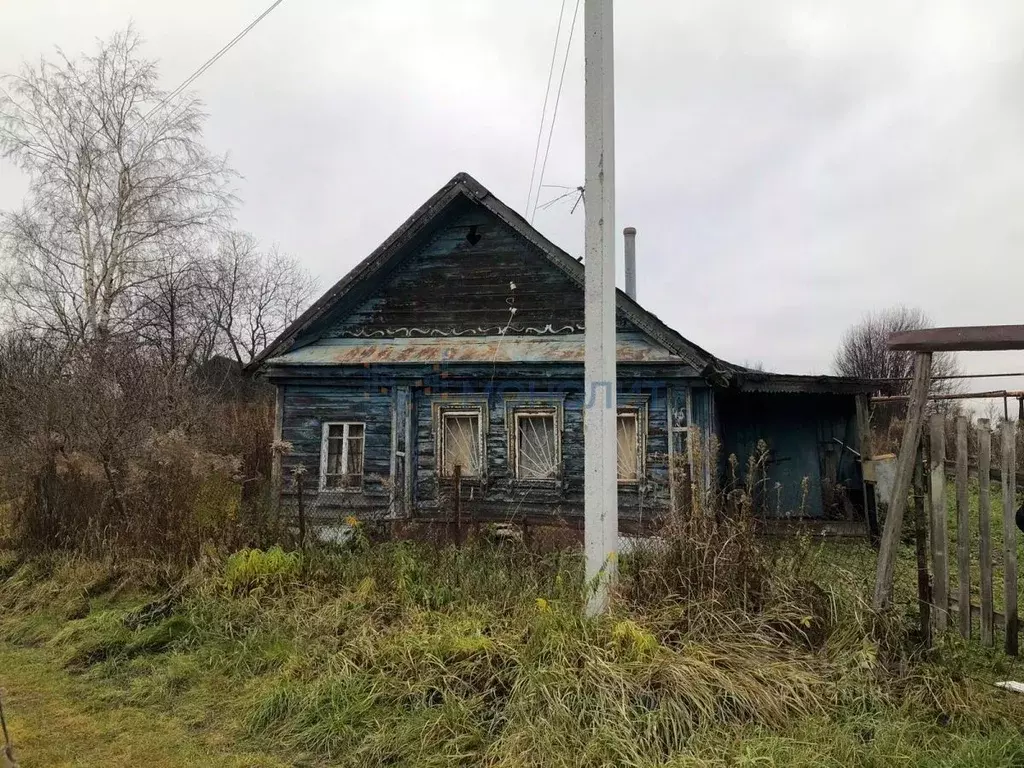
481 349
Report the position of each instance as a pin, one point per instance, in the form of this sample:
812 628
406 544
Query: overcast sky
789 164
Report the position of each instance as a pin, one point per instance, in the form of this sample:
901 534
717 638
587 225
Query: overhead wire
544 108
558 98
208 63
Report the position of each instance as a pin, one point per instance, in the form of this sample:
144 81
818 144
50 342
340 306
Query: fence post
985 529
867 469
1010 535
963 529
924 587
939 515
300 473
901 481
457 474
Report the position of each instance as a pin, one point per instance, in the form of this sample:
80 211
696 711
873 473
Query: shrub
253 570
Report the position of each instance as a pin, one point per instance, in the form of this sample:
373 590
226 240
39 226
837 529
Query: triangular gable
360 303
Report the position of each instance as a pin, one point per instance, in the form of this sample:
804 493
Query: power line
544 109
209 63
558 98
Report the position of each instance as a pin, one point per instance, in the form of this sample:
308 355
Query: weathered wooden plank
963 526
482 281
939 521
1009 456
970 338
985 530
901 483
924 585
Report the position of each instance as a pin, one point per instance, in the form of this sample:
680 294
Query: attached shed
459 343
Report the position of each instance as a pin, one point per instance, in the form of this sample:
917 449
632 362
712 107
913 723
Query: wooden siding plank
451 283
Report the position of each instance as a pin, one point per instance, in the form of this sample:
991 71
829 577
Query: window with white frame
537 444
341 456
461 443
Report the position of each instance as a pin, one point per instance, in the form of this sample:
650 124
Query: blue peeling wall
367 394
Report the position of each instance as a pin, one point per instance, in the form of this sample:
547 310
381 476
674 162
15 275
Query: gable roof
464 185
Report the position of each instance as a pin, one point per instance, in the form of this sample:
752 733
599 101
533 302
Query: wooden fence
932 534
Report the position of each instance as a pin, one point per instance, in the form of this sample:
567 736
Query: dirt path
54 722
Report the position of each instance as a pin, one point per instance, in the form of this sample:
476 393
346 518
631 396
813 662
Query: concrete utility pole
601 508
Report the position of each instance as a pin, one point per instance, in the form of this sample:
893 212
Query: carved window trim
639 404
519 407
444 406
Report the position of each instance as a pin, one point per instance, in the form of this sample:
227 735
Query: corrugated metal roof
761 381
476 349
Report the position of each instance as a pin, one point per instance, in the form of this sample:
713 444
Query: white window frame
639 413
461 412
324 446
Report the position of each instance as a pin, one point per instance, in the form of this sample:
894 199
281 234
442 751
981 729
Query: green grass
408 655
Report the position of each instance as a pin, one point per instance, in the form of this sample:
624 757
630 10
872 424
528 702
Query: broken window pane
537 447
460 442
628 447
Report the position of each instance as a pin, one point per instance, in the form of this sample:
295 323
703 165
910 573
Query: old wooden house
457 346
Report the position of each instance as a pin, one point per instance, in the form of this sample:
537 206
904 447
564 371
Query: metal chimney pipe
630 235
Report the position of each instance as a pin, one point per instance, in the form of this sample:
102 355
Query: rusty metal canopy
476 349
969 338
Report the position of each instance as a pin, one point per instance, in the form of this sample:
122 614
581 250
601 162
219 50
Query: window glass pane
461 444
353 470
537 447
333 454
344 462
625 434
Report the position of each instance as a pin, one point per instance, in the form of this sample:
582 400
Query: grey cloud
790 164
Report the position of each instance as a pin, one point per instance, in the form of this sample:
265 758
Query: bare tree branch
109 194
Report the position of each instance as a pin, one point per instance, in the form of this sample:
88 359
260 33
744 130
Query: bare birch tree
115 176
255 294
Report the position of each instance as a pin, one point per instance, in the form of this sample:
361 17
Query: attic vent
473 237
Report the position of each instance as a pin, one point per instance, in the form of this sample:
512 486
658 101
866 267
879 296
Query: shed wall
801 431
